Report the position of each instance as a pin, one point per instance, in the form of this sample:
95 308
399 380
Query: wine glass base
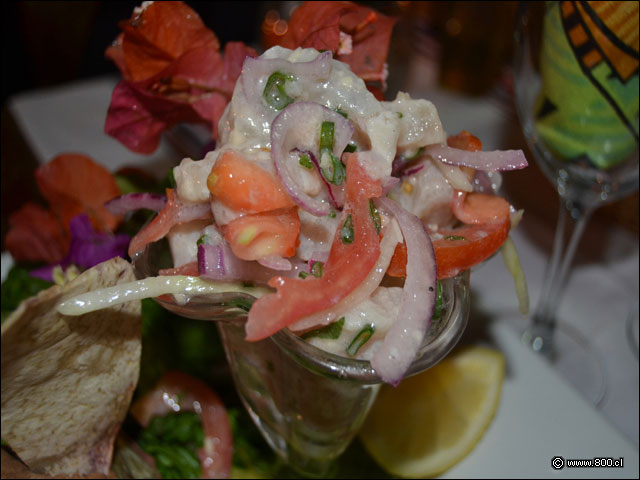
572 356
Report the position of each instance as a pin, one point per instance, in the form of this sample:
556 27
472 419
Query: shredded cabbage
512 262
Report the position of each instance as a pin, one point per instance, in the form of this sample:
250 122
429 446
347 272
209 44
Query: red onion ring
218 262
403 340
136 201
497 160
290 130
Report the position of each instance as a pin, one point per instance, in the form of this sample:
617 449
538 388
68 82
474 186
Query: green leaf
19 286
173 440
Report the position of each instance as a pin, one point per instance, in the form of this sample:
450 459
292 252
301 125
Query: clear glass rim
441 336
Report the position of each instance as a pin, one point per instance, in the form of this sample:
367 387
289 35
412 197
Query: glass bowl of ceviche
307 399
330 234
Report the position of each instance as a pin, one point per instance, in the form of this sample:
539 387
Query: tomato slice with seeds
260 235
178 391
459 249
347 266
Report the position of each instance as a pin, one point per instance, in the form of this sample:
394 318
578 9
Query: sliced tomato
347 266
487 223
467 246
242 185
173 213
465 141
178 391
260 235
475 207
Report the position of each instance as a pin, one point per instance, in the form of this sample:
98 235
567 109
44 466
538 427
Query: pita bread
67 381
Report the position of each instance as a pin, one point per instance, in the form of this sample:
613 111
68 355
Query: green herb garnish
415 155
337 173
326 136
454 237
331 331
173 440
437 309
203 239
341 112
360 339
316 269
375 216
351 147
346 232
274 93
305 161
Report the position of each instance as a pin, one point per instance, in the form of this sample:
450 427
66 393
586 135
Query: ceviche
320 191
336 215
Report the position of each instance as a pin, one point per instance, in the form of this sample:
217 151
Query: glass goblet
307 403
578 106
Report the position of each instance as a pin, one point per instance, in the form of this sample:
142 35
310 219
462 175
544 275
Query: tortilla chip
67 381
14 468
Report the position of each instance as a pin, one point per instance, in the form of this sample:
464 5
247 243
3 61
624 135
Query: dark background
49 43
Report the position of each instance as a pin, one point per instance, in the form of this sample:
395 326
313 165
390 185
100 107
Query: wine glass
577 101
307 403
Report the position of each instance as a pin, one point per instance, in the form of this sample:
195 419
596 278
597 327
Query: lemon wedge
434 419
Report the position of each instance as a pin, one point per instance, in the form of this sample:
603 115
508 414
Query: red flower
72 184
173 73
357 35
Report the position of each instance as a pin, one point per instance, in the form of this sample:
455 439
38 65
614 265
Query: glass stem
572 217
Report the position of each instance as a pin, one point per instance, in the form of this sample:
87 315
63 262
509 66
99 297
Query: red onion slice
218 262
336 192
498 160
136 201
256 72
275 262
298 127
403 340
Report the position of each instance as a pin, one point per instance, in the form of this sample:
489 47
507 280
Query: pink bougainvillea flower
357 35
87 248
173 73
72 184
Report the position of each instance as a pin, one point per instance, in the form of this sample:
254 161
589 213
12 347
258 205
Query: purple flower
87 247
